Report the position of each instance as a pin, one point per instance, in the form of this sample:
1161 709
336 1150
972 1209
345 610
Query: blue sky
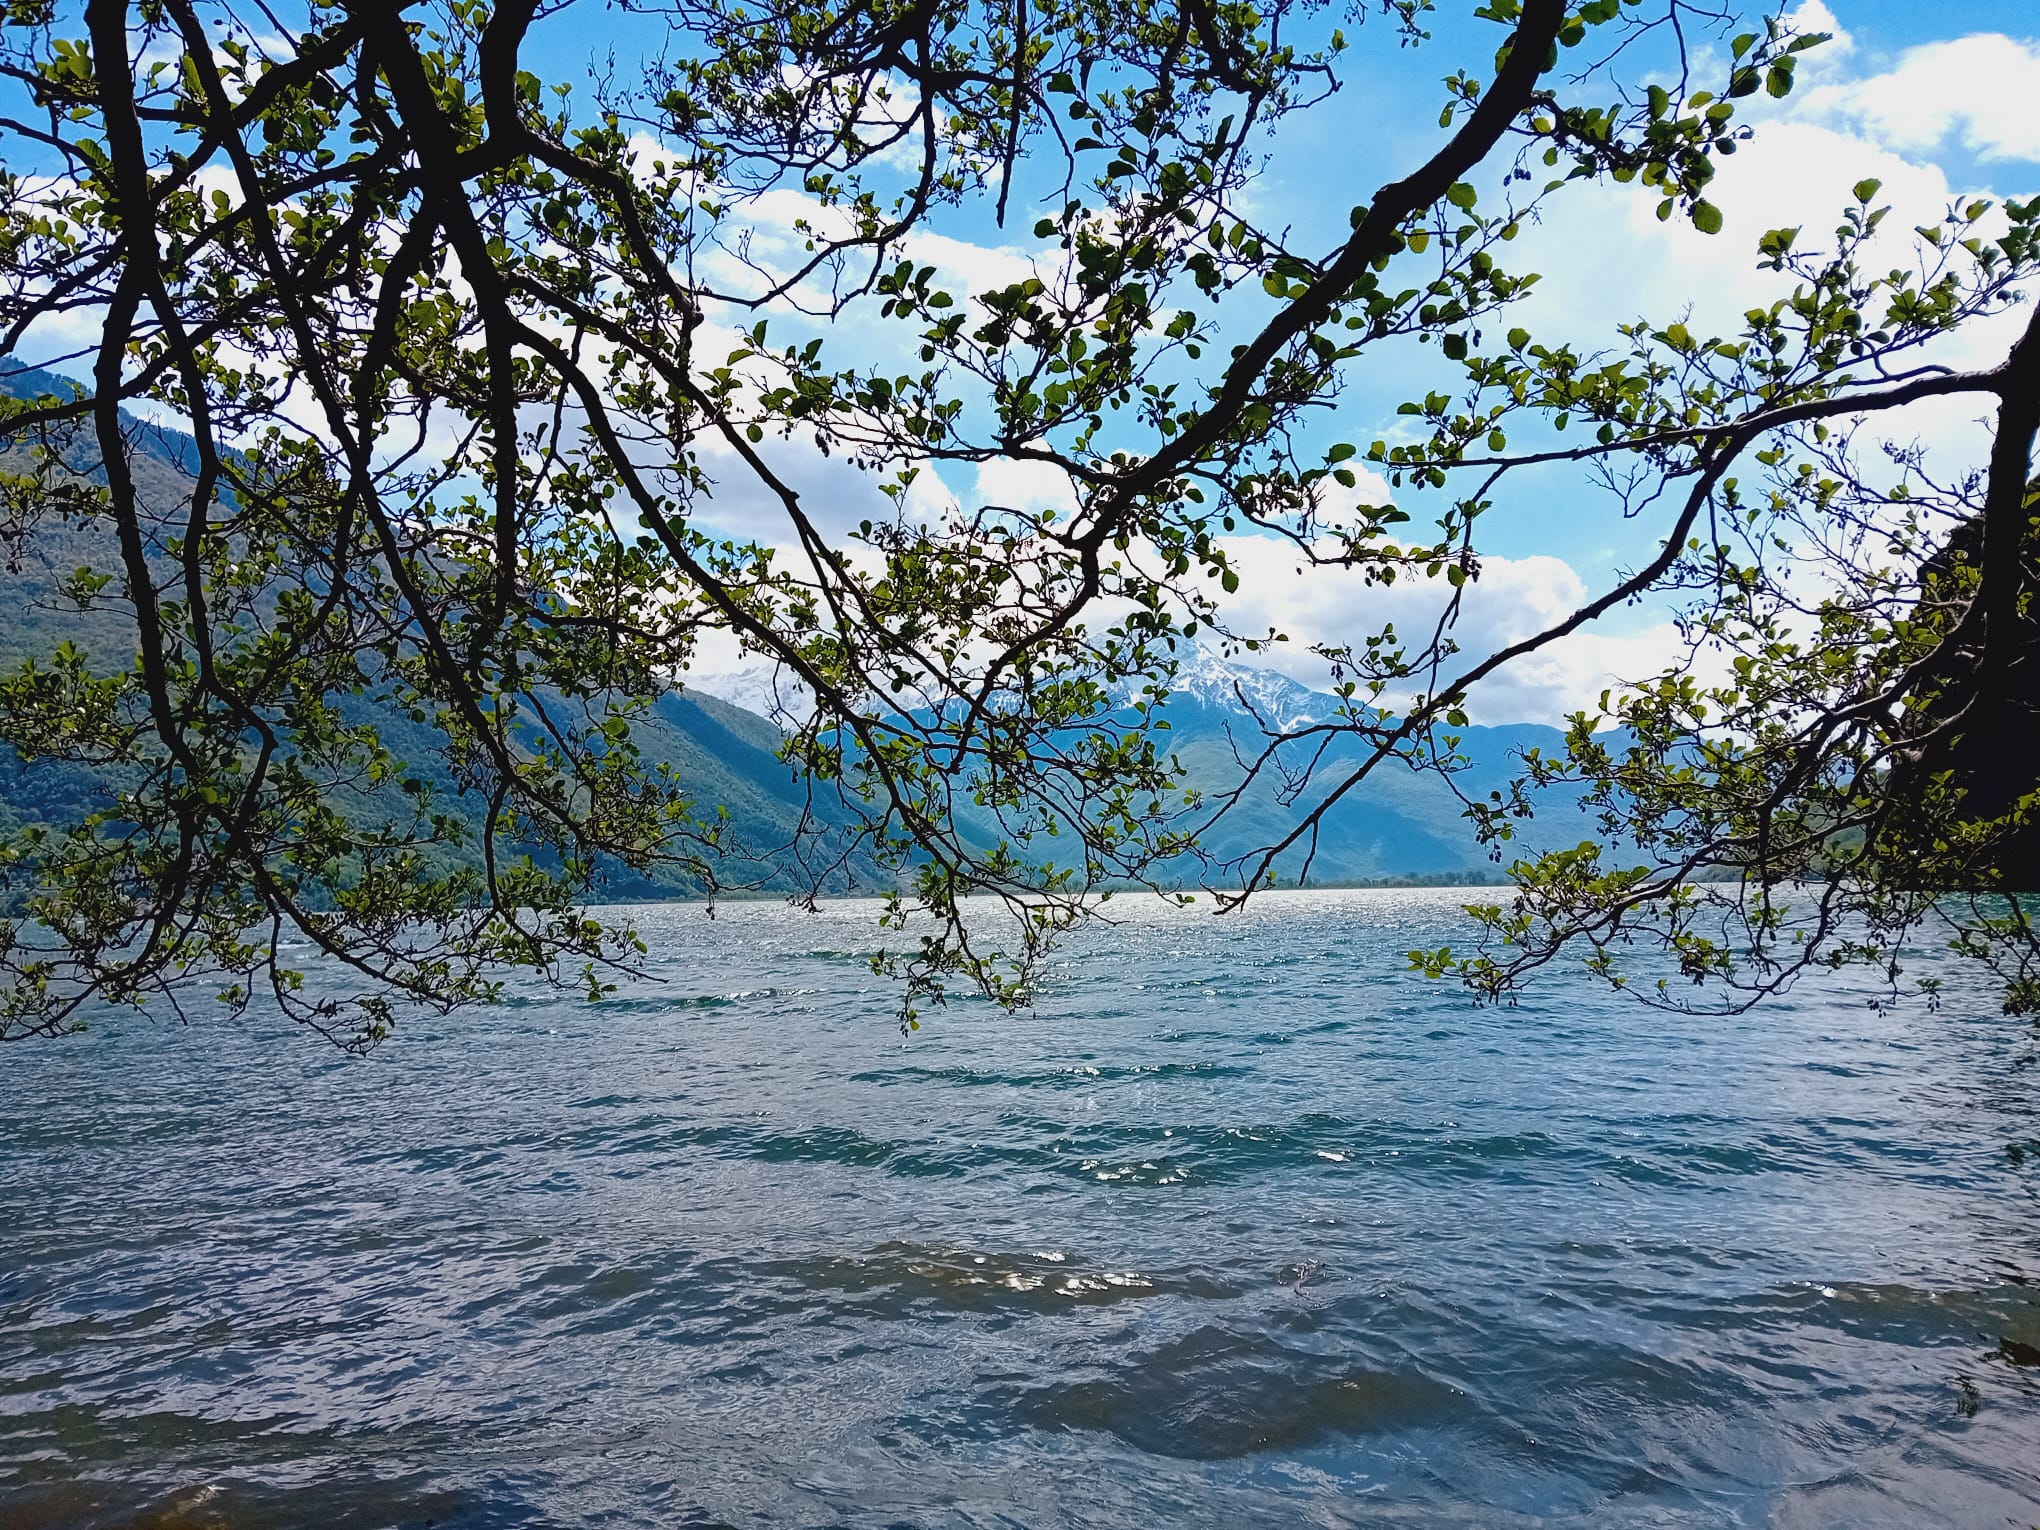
1938 99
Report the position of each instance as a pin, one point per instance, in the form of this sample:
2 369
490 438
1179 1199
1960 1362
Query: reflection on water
1240 1226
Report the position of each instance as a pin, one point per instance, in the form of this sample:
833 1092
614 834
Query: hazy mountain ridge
1399 823
715 729
1396 823
724 754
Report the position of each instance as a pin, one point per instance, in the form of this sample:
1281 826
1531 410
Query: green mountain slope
725 756
1399 824
1396 824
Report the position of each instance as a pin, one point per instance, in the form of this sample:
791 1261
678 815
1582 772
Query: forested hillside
726 754
1400 825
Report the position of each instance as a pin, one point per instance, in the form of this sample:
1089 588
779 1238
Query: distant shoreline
1438 882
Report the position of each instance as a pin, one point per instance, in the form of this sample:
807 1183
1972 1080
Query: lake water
1241 1226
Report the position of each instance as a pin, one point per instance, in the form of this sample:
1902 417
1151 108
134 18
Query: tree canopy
464 345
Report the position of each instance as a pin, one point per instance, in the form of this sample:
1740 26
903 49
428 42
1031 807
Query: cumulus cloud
1606 258
778 225
834 493
1513 598
1027 486
1890 119
1795 174
1976 91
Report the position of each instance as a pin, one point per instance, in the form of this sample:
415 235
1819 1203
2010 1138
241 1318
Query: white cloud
1512 599
1816 16
1607 240
1607 259
1799 170
1026 486
833 492
1979 90
778 225
976 268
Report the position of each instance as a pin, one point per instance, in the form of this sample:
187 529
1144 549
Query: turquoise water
1240 1226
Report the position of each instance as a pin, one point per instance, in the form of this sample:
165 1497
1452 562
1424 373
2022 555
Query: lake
1241 1225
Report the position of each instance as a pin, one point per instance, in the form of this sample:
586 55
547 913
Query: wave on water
1241 1224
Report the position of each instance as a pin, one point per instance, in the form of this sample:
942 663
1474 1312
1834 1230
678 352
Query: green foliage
462 356
1862 775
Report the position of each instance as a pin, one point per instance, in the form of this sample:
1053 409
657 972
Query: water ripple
1240 1226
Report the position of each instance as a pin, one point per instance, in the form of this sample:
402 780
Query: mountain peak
762 687
1209 677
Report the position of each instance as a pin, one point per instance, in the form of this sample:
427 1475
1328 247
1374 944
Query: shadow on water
1216 1393
231 1505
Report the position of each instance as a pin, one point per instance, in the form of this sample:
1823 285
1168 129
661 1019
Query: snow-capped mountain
1220 707
1397 823
1203 675
759 687
1207 676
